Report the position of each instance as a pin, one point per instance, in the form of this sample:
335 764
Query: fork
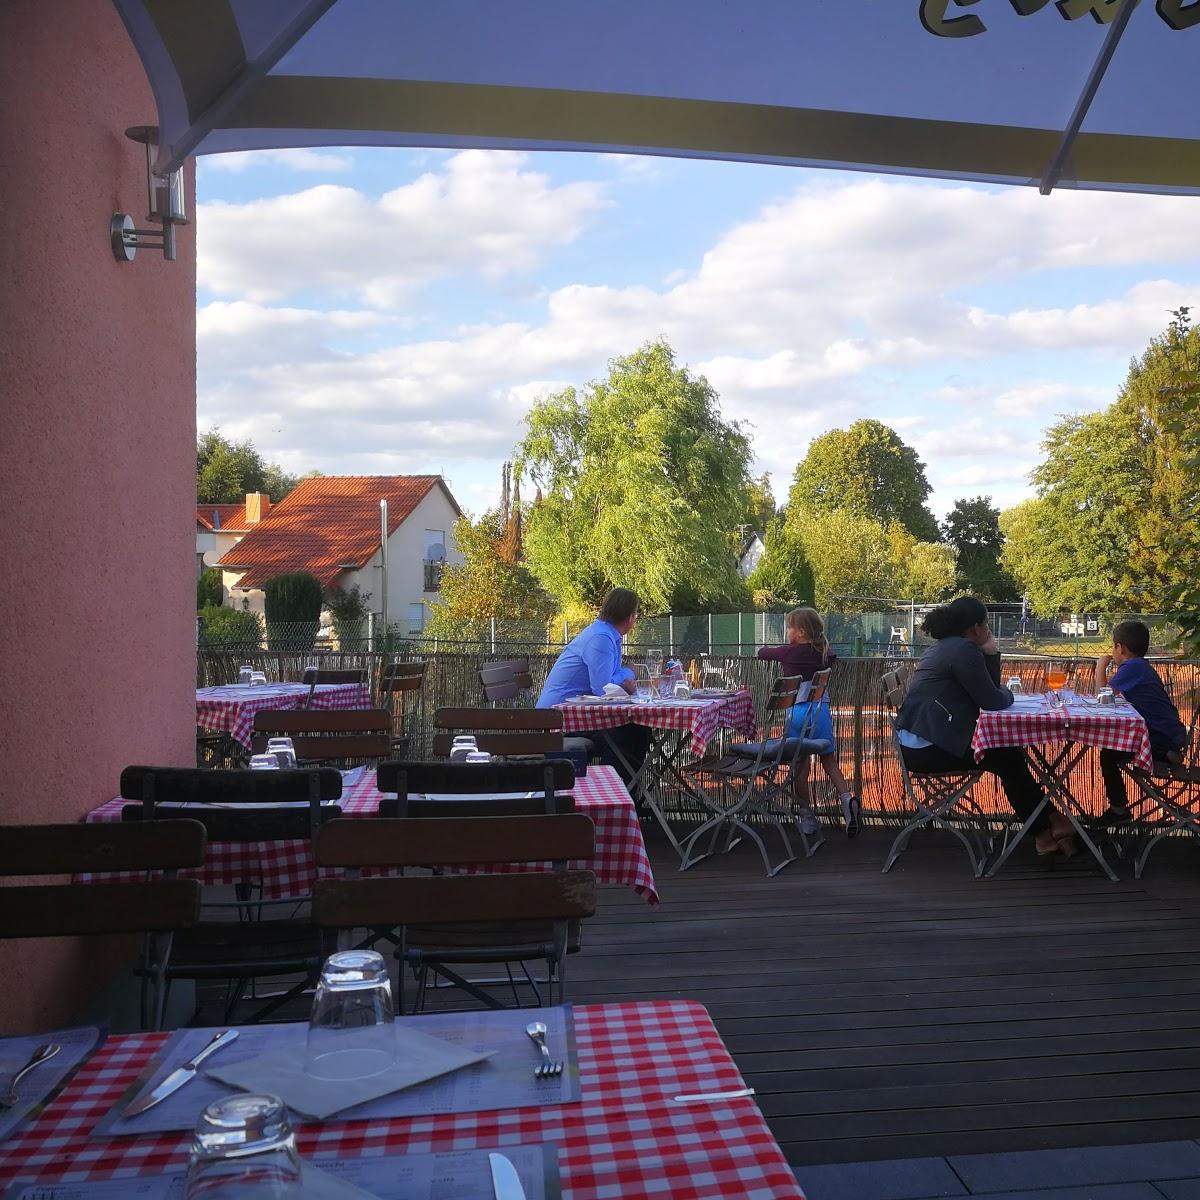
42 1054
548 1068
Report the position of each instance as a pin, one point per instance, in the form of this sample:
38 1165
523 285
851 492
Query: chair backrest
62 909
318 675
399 677
506 680
409 784
235 806
558 895
782 696
500 730
894 685
322 735
498 683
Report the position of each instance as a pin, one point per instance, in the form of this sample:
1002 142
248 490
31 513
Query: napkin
418 1057
614 691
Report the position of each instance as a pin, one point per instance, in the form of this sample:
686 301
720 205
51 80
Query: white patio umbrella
1091 93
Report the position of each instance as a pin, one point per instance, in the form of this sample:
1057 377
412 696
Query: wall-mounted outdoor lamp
166 206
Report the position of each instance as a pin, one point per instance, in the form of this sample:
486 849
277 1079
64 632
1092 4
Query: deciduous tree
643 483
972 527
867 469
488 586
226 471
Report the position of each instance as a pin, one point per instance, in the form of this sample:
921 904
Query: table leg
642 784
1050 773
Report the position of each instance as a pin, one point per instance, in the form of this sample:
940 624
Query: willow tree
643 484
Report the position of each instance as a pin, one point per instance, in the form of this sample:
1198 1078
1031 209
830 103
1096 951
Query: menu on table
505 1079
456 1175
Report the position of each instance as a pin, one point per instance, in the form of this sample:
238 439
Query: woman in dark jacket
954 680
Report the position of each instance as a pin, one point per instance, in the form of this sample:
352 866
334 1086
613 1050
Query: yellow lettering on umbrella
1179 14
933 17
1102 10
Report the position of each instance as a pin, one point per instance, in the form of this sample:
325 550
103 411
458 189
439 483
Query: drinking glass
351 1032
244 674
1013 683
284 751
654 662
243 1146
264 762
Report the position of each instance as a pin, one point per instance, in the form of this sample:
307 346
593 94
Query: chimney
257 506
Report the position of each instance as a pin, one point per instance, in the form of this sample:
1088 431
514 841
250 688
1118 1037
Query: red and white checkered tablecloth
286 868
625 1138
1091 725
700 718
231 709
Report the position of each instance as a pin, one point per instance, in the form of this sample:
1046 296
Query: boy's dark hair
619 605
1134 636
955 618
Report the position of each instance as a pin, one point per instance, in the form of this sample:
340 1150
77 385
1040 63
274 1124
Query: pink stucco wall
97 442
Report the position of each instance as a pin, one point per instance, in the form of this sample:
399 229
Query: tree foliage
758 510
226 471
1071 546
488 586
229 629
867 470
292 604
857 560
209 592
1173 520
972 527
643 483
349 609
783 578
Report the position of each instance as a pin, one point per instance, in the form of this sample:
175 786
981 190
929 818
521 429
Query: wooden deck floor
922 1012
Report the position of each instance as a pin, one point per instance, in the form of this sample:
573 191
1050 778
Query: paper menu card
280 1072
504 1080
45 1079
455 1175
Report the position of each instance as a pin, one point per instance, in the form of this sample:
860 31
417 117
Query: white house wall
406 557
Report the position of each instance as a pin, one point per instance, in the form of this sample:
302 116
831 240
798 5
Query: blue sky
388 311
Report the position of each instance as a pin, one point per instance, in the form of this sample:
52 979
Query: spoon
42 1054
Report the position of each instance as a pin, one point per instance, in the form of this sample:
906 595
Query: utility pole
383 541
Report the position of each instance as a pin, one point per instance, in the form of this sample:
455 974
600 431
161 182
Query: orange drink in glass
1056 678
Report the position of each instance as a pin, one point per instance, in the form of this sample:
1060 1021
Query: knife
177 1078
505 1180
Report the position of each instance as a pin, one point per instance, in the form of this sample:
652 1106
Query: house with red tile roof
219 527
332 527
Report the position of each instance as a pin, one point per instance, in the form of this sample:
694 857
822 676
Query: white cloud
481 214
846 300
297 159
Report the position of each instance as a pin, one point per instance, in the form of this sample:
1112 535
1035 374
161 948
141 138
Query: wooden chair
159 908
313 676
323 737
407 786
505 681
547 903
420 789
761 772
400 685
234 940
500 730
939 799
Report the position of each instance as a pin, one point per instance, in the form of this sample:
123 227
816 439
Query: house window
416 618
435 545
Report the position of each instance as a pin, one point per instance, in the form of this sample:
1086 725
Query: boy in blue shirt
1139 683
